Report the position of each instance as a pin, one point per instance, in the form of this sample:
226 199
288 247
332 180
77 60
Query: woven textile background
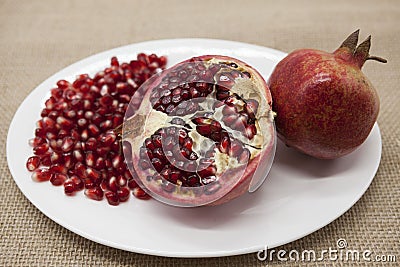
39 38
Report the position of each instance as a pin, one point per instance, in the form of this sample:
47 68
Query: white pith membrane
147 121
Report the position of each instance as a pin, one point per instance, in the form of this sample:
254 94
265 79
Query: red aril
95 193
33 163
112 198
75 137
41 175
58 179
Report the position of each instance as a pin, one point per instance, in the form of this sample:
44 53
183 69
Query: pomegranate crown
358 54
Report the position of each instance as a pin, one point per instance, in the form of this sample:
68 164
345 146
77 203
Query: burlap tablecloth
38 38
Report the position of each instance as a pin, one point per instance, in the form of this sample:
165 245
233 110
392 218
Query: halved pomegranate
199 132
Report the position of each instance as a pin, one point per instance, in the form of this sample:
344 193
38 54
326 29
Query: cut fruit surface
199 132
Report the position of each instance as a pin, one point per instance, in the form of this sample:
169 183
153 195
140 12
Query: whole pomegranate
198 131
325 105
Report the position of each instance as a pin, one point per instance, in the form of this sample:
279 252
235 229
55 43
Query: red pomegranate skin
326 107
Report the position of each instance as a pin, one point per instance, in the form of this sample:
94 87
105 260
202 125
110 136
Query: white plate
300 195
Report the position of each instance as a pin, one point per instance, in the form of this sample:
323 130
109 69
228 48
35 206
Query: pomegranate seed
68 144
128 175
91 144
89 115
193 180
250 131
75 135
33 163
188 143
64 123
108 139
125 98
116 146
99 164
41 149
209 171
106 100
106 125
251 107
90 159
63 84
51 135
50 103
139 193
102 151
57 93
68 161
112 198
39 132
157 163
78 145
56 157
48 123
117 120
62 133
117 161
174 176
60 106
230 119
204 130
123 194
114 62
69 187
100 113
132 184
241 121
143 57
244 157
36 141
88 184
78 183
228 110
236 148
77 154
84 135
225 143
82 123
113 184
54 146
98 118
41 175
108 163
95 193
58 179
92 174
104 184
70 114
58 168
80 170
45 159
121 181
93 130
45 112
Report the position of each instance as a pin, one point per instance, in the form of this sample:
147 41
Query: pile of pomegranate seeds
75 144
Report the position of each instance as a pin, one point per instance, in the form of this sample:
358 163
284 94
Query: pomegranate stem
379 59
